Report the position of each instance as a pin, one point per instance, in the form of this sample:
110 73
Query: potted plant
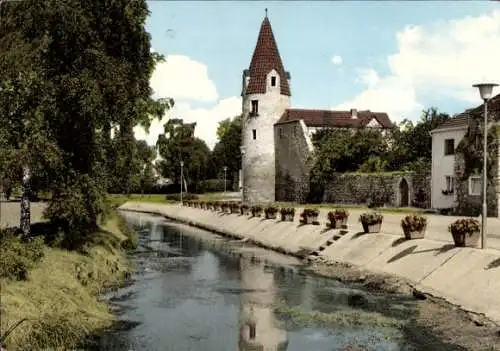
270 212
414 226
256 211
287 214
309 216
244 209
235 208
338 218
218 205
465 232
225 207
371 221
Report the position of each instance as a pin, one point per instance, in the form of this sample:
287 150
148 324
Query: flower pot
287 218
270 215
338 223
311 219
372 228
414 234
466 239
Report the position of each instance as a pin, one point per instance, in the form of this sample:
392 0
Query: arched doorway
404 195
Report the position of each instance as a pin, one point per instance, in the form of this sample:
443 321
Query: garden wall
395 189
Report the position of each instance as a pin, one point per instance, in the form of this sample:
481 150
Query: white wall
443 166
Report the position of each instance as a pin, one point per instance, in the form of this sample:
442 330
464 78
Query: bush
185 197
213 186
337 215
413 223
256 211
464 226
371 218
18 256
309 212
287 211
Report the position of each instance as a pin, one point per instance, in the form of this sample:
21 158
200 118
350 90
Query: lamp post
486 91
182 177
225 174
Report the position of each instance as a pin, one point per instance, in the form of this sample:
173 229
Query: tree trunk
25 203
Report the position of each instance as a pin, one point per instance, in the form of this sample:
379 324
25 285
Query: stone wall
395 189
294 152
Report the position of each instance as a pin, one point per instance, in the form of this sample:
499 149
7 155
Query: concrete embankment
467 277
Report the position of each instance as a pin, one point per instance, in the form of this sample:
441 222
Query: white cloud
183 78
337 60
443 59
187 81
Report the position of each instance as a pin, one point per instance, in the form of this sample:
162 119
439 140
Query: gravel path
10 213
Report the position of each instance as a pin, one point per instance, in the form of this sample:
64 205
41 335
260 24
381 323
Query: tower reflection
259 329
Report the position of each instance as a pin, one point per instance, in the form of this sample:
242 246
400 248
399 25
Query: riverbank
465 277
55 292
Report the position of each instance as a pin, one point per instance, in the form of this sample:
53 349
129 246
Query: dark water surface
193 290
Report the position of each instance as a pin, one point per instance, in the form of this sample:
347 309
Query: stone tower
266 96
259 328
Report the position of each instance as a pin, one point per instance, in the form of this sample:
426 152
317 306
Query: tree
84 68
346 150
179 144
227 152
413 143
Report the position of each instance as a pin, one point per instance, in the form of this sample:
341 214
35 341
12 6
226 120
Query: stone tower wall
259 164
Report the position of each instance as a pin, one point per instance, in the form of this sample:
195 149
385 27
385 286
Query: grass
59 298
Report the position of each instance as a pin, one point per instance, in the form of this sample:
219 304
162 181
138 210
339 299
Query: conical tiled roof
266 57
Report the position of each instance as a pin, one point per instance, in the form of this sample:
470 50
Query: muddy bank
435 316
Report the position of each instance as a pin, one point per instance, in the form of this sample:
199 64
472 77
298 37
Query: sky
397 57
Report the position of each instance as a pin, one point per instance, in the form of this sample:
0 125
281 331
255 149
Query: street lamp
182 176
225 172
486 91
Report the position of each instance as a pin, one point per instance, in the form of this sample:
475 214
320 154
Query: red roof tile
266 57
329 118
462 119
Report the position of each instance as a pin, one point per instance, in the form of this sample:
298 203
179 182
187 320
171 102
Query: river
193 290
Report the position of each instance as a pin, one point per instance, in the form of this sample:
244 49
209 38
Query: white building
445 139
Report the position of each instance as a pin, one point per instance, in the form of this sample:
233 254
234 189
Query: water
193 290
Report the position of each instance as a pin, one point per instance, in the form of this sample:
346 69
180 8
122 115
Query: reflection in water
196 291
259 329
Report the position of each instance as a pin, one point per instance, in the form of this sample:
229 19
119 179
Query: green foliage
464 226
413 223
185 196
212 186
71 72
179 144
227 151
18 256
371 218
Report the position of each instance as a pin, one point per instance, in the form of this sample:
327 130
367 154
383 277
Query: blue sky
398 57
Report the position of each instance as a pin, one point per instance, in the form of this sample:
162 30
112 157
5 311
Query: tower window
255 107
273 81
281 133
254 134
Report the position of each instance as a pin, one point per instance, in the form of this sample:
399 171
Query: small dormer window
255 108
273 81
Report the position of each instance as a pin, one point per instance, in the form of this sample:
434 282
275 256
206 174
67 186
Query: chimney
354 113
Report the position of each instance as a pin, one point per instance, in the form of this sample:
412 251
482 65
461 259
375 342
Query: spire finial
266 12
